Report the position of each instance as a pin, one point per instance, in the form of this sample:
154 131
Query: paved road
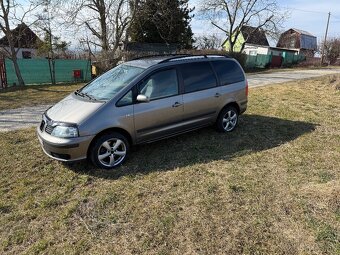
31 116
263 79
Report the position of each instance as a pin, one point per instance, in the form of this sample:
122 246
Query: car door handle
217 95
176 104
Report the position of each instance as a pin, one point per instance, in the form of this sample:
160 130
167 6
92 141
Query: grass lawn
270 187
16 97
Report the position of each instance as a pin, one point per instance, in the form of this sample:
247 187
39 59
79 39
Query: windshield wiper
79 93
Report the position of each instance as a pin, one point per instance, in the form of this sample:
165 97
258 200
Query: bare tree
9 14
208 42
51 45
231 15
332 50
108 20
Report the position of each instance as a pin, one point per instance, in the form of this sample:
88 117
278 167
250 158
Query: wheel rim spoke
103 156
119 153
107 145
226 127
117 144
112 160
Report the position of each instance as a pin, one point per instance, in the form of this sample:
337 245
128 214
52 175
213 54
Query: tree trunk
16 67
231 46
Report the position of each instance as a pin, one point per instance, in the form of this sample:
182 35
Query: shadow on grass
255 133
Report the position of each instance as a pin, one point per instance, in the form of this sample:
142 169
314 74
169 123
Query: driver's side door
161 116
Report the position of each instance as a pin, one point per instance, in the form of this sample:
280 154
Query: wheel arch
234 104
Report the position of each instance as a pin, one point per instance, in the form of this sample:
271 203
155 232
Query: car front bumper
64 149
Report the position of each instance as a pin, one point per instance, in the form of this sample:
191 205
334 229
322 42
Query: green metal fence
36 71
264 61
291 59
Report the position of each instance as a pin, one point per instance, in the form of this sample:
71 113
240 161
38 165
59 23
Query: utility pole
324 42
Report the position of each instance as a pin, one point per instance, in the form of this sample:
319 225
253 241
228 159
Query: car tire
227 119
109 150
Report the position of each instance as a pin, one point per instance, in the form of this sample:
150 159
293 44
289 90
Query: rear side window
197 76
228 71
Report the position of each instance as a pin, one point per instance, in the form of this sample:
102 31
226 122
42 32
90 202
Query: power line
301 10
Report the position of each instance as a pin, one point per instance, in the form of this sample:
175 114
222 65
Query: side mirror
142 98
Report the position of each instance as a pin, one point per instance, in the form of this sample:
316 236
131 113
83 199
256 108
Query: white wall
254 50
21 50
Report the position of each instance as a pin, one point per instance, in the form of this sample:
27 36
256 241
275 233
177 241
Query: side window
197 76
125 100
228 71
159 85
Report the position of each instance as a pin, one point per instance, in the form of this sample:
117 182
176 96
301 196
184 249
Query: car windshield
110 83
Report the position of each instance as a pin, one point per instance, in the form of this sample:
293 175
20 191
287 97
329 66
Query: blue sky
309 15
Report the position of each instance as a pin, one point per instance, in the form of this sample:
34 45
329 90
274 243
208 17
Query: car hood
73 109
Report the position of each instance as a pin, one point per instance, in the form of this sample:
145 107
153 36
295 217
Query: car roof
145 62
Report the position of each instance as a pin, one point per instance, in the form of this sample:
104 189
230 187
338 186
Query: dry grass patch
270 187
16 97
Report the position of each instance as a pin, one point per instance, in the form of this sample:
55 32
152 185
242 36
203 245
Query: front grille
49 129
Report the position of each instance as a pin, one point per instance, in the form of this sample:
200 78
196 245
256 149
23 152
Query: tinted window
125 100
228 72
159 85
197 76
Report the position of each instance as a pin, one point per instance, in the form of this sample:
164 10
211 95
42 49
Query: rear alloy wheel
227 120
110 151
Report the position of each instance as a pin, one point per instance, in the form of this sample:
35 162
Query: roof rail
179 56
163 55
193 56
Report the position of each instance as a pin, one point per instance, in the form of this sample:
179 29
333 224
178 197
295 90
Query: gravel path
21 118
30 116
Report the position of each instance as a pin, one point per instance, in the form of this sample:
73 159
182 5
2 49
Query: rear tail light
247 89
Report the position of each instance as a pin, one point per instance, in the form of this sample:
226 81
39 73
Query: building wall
23 52
253 50
237 46
289 39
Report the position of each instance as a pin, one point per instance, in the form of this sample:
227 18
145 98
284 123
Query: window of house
26 54
252 52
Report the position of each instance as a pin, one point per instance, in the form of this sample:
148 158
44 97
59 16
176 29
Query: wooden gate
3 77
276 61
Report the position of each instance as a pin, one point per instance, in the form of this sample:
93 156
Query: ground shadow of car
254 133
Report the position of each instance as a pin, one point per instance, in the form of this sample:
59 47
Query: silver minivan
141 101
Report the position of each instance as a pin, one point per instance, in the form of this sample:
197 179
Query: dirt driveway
30 116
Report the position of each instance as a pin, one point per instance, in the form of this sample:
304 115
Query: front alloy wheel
109 151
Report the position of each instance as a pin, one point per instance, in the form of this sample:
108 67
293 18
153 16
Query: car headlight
65 131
